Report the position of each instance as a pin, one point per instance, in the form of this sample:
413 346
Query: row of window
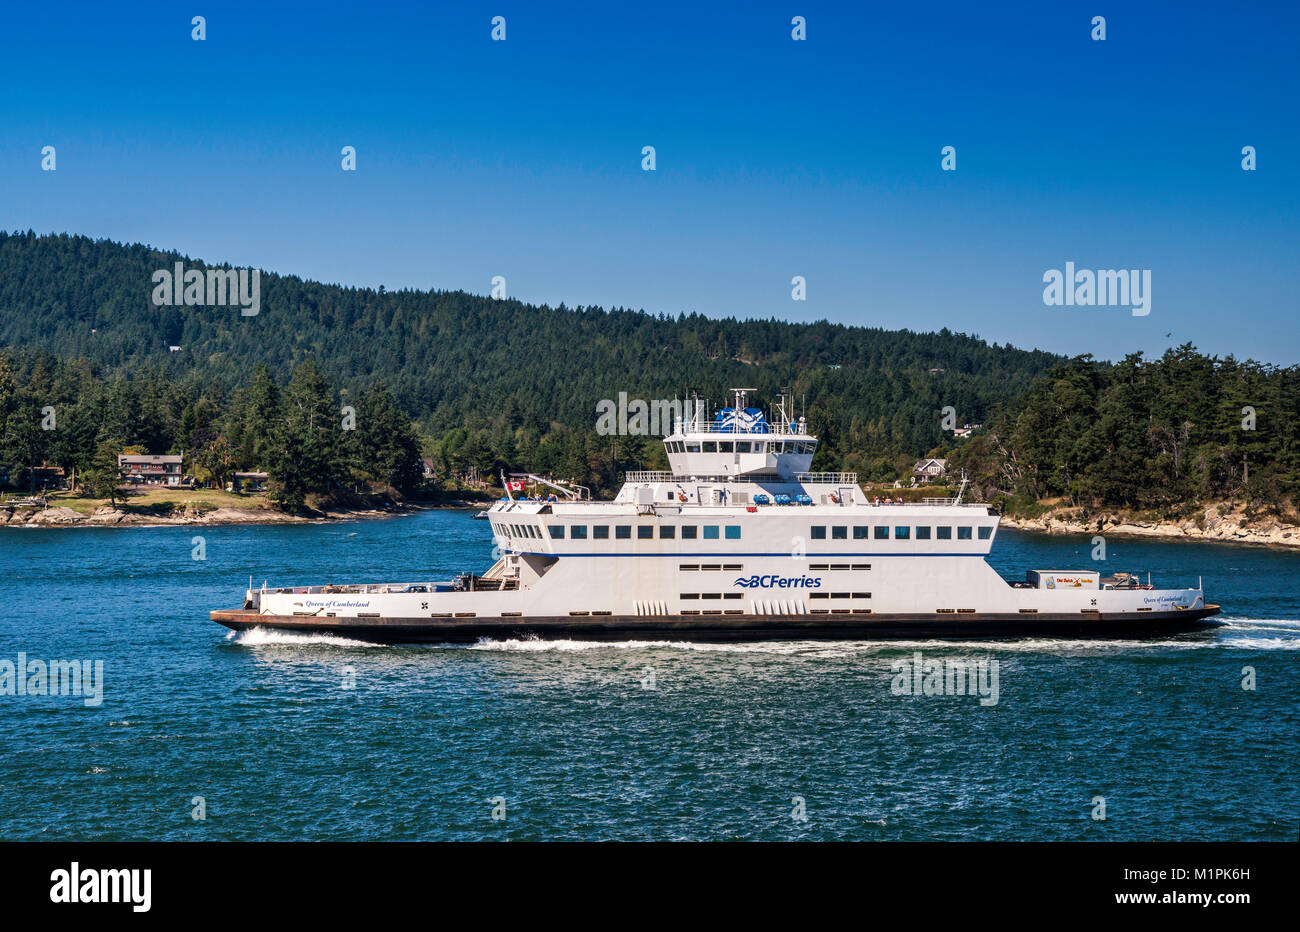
645 531
738 595
900 532
740 446
724 567
815 567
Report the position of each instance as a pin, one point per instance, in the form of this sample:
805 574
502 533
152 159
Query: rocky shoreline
62 516
1213 527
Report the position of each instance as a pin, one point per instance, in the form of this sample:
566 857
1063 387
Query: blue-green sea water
566 741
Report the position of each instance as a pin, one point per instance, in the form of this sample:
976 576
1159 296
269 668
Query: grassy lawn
159 498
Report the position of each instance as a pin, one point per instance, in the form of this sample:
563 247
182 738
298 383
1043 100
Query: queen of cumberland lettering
736 541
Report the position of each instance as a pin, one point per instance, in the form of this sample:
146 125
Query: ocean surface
271 736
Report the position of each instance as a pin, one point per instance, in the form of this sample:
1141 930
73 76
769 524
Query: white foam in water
1239 634
266 637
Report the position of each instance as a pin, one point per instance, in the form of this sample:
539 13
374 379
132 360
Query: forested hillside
496 368
481 385
1163 435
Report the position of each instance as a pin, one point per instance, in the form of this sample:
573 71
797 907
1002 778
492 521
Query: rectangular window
742 446
862 595
860 566
819 532
943 532
860 532
725 446
710 595
645 531
839 595
840 532
710 532
818 567
689 595
600 531
882 532
710 446
578 532
733 532
923 532
667 531
963 532
557 531
684 567
902 532
693 446
622 531
986 533
688 532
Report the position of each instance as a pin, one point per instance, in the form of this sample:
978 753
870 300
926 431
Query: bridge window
986 533
710 446
557 531
882 532
758 446
902 532
963 532
622 531
733 532
688 532
860 532
600 531
819 532
692 446
742 446
578 531
923 532
726 446
840 532
710 532
943 532
645 531
667 531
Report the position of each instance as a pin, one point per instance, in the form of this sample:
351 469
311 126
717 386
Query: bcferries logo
778 582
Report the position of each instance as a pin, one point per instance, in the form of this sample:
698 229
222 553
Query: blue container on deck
782 498
761 499
803 499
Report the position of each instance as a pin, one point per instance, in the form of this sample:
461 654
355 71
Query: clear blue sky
775 158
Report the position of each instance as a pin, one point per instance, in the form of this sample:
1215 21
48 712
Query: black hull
728 627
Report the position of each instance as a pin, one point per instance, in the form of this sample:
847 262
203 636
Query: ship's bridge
740 441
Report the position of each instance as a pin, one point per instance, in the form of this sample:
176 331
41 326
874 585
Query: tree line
1164 435
308 435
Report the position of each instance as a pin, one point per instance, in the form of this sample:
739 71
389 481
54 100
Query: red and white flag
515 485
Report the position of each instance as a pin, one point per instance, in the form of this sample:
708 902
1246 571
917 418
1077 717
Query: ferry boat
738 540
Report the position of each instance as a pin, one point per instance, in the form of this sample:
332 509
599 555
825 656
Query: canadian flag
515 485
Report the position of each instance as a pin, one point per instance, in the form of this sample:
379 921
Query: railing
773 432
649 475
836 478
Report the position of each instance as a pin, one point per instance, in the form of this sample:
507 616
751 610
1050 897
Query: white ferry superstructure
738 540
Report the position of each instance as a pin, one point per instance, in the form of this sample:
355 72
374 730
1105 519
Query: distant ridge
455 359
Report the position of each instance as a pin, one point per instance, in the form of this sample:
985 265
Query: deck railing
835 478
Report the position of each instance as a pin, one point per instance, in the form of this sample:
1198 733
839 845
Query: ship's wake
267 637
